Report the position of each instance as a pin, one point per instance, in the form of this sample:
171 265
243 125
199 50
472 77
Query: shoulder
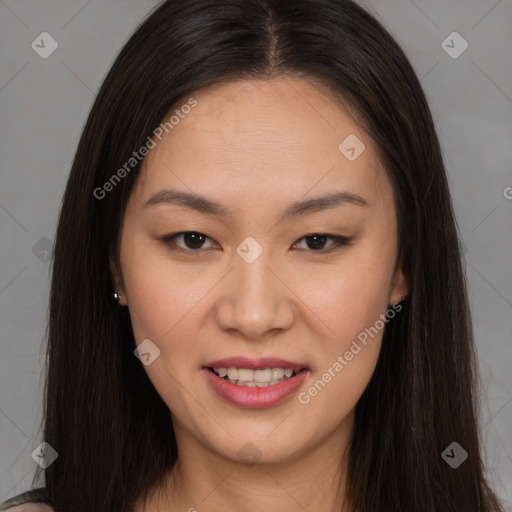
35 500
29 507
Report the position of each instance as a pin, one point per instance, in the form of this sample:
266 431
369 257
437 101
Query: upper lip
255 364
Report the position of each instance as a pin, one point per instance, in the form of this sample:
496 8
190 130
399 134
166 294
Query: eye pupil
196 238
316 238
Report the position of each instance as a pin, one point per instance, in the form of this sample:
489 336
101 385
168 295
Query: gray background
44 103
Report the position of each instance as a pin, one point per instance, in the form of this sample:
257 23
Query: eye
192 239
316 242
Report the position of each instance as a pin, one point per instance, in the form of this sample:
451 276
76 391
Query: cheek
163 302
350 296
350 304
350 307
164 307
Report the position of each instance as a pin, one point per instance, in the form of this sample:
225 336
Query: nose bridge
255 301
255 283
254 280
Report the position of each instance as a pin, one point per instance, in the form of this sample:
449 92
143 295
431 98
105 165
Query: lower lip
256 398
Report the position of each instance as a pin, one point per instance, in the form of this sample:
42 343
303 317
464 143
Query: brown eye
316 242
192 240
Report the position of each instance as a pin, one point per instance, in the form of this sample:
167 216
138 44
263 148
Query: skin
256 147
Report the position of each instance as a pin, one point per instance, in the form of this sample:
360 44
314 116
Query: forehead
270 139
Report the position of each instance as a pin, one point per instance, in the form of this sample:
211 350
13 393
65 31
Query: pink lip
255 397
255 364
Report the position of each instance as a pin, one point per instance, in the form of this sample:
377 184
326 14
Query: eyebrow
210 207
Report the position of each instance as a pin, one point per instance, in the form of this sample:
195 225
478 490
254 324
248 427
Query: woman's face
251 291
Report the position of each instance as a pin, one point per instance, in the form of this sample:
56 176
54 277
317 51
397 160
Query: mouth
250 378
255 383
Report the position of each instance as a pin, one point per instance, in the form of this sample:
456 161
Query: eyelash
339 241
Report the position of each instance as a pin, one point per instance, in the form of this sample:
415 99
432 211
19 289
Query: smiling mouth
247 377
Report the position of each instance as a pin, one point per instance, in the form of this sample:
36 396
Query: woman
260 188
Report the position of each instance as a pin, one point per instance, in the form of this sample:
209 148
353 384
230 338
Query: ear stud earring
118 297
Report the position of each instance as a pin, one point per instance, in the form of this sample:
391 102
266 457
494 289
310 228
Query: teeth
250 384
263 375
232 373
277 373
245 375
254 378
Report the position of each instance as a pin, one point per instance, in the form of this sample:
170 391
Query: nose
255 301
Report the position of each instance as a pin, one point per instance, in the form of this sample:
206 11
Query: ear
117 278
400 285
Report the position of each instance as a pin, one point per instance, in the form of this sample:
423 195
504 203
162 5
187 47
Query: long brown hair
111 429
